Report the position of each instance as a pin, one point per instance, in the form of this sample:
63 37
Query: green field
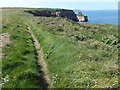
78 55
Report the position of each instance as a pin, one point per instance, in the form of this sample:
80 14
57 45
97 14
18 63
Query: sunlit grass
20 65
79 55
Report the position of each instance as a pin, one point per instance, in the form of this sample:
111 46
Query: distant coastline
94 16
101 16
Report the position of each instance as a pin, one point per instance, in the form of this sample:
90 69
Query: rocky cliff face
82 18
58 13
69 14
46 13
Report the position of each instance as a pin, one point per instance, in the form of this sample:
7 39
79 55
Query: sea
101 16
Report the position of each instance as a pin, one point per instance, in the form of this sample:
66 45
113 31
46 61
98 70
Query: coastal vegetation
78 55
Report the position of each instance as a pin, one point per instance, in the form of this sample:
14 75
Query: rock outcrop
59 13
69 14
82 18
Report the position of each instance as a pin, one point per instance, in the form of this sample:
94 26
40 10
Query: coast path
41 62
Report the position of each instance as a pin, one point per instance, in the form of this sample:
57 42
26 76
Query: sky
66 4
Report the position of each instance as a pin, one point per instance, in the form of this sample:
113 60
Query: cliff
58 13
69 14
82 18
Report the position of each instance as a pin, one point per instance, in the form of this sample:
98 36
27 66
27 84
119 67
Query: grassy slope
19 67
78 55
86 63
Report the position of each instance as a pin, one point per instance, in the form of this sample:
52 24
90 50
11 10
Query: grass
19 67
80 15
78 55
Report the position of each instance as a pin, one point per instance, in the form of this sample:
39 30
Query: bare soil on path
41 62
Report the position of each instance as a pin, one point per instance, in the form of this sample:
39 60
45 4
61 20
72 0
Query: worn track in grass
42 64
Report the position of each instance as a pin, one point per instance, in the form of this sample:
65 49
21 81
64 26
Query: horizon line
58 8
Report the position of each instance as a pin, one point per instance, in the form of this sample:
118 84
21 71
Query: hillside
70 54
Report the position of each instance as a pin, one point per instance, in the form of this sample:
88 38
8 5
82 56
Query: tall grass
76 54
19 67
79 55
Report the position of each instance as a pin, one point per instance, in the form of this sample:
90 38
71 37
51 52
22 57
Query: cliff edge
81 17
69 14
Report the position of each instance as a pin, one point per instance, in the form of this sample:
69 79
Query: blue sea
101 16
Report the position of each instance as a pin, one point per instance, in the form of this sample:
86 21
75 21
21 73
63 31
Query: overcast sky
67 4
